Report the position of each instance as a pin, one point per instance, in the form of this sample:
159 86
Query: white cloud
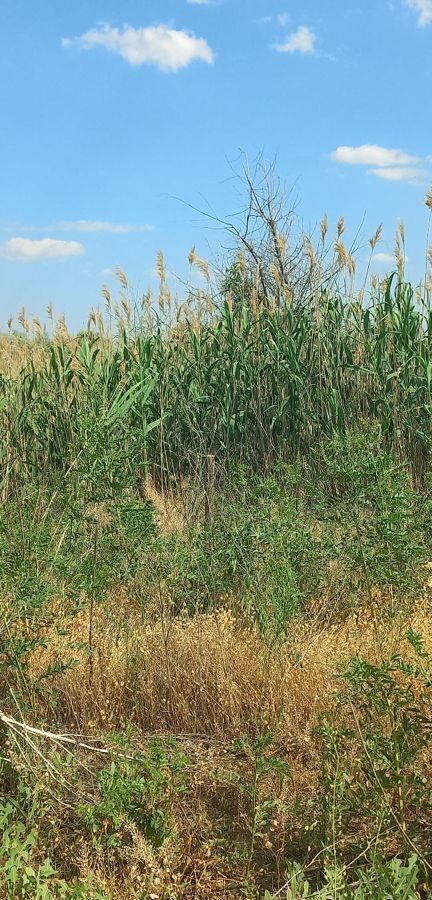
301 41
282 19
386 163
199 2
159 45
372 155
90 225
27 250
400 173
384 258
424 9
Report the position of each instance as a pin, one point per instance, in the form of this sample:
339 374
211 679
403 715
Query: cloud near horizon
20 249
166 48
94 226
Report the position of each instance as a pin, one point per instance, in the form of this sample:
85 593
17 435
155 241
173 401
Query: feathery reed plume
288 294
192 256
100 322
275 273
351 265
310 253
146 301
126 307
23 320
429 255
203 266
281 244
37 329
241 263
399 250
376 238
341 253
324 227
160 268
340 226
121 278
199 306
106 294
61 332
160 265
9 323
428 200
91 321
209 304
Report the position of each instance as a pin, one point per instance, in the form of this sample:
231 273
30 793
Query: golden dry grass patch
211 674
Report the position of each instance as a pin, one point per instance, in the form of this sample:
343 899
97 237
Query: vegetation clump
215 581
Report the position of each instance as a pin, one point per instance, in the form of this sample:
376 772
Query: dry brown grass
209 680
211 674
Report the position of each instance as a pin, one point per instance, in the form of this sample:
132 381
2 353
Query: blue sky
112 110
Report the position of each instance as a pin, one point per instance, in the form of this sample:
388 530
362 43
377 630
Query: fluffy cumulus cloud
93 225
300 41
27 250
387 163
372 155
424 10
166 48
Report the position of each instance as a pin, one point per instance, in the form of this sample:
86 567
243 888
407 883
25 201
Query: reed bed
247 386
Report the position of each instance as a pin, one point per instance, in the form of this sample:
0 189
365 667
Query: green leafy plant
138 792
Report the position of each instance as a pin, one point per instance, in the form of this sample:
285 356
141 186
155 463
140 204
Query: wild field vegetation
215 579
